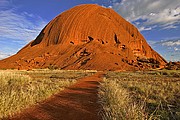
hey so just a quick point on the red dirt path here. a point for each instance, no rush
(77, 102)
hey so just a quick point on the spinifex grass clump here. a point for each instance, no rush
(140, 95)
(20, 89)
(118, 104)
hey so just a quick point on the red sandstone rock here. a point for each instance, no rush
(85, 37)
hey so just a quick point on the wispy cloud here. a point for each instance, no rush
(163, 13)
(170, 43)
(16, 28)
(3, 55)
(10, 46)
(142, 28)
(176, 49)
(171, 48)
(170, 27)
(20, 25)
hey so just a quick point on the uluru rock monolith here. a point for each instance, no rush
(87, 37)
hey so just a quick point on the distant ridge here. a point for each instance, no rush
(87, 37)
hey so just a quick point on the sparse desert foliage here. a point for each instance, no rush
(141, 96)
(21, 89)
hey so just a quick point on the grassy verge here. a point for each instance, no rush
(21, 89)
(139, 95)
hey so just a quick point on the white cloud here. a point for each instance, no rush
(142, 28)
(170, 27)
(176, 49)
(16, 28)
(171, 43)
(20, 26)
(166, 17)
(165, 13)
(3, 55)
(170, 49)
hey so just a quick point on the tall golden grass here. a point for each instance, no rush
(141, 96)
(21, 89)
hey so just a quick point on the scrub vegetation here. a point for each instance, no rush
(140, 95)
(22, 89)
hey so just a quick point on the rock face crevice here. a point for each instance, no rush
(109, 41)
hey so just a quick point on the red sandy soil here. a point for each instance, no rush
(86, 37)
(77, 102)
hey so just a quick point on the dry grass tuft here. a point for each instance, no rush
(21, 89)
(118, 104)
(141, 96)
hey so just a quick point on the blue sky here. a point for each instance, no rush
(158, 21)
